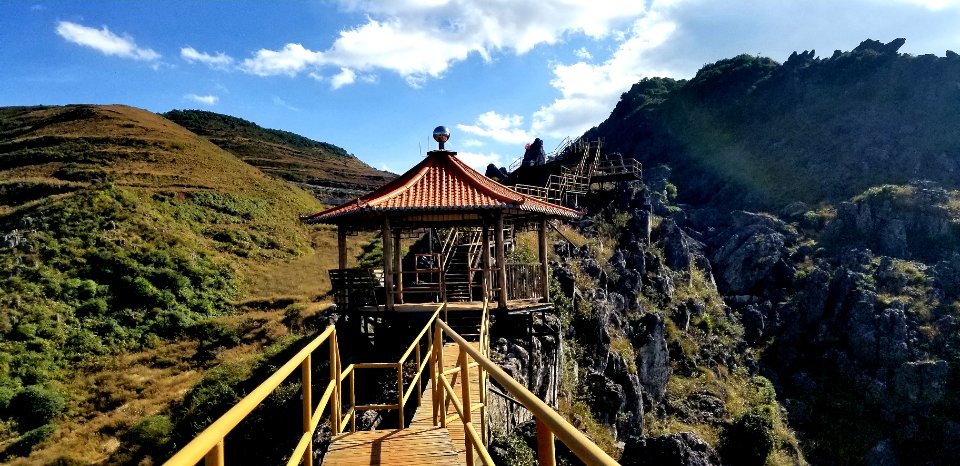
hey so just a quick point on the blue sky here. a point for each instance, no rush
(375, 77)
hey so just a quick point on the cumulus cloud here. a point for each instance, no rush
(588, 91)
(582, 53)
(290, 60)
(202, 99)
(501, 128)
(344, 77)
(421, 39)
(220, 60)
(104, 41)
(479, 161)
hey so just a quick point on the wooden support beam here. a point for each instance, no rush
(387, 238)
(485, 262)
(501, 262)
(542, 242)
(341, 246)
(398, 265)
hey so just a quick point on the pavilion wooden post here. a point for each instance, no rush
(485, 260)
(342, 246)
(501, 262)
(544, 271)
(398, 265)
(387, 237)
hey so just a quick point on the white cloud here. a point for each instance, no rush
(501, 128)
(472, 143)
(479, 161)
(202, 99)
(589, 91)
(583, 54)
(421, 39)
(220, 60)
(344, 77)
(284, 104)
(104, 41)
(290, 60)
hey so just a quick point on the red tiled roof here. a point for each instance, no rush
(441, 182)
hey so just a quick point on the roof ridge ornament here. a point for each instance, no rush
(441, 134)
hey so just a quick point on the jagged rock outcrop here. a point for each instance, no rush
(649, 340)
(754, 255)
(680, 449)
(534, 362)
(901, 221)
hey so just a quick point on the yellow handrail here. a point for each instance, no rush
(549, 422)
(208, 445)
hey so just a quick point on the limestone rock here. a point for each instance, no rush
(680, 449)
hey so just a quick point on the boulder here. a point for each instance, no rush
(921, 382)
(679, 449)
(649, 339)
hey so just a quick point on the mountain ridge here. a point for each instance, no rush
(329, 171)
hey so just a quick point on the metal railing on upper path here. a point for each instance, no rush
(208, 446)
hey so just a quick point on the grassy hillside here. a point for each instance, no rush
(327, 170)
(753, 132)
(124, 235)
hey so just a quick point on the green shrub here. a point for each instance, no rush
(513, 451)
(6, 395)
(749, 439)
(152, 433)
(35, 406)
(27, 441)
(671, 190)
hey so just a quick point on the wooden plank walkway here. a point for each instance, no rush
(424, 415)
(411, 446)
(421, 442)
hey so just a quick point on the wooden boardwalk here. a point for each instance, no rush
(411, 446)
(424, 415)
(421, 442)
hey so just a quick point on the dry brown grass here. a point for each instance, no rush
(109, 396)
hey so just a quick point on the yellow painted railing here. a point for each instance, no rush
(550, 424)
(209, 444)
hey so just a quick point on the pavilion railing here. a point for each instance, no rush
(524, 281)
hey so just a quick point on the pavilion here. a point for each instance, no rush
(443, 193)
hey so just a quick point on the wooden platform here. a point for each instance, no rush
(411, 446)
(421, 442)
(469, 306)
(424, 415)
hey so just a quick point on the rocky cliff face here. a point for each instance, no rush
(695, 336)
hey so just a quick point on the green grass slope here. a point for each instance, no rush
(329, 171)
(121, 232)
(755, 133)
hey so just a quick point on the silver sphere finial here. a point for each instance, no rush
(441, 134)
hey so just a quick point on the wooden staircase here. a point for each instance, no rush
(462, 253)
(575, 179)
